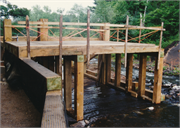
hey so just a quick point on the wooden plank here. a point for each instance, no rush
(7, 31)
(49, 48)
(108, 68)
(142, 74)
(129, 71)
(67, 83)
(74, 23)
(53, 113)
(141, 27)
(118, 70)
(157, 81)
(79, 86)
(126, 40)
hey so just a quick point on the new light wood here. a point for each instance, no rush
(160, 41)
(67, 83)
(157, 81)
(126, 40)
(142, 74)
(73, 23)
(118, 70)
(53, 113)
(7, 30)
(28, 36)
(129, 71)
(79, 88)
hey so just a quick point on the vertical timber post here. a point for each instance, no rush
(67, 83)
(88, 43)
(79, 87)
(160, 41)
(142, 74)
(7, 31)
(129, 70)
(106, 65)
(158, 79)
(28, 37)
(140, 31)
(126, 40)
(118, 70)
(60, 45)
(43, 37)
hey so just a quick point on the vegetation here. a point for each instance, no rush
(112, 11)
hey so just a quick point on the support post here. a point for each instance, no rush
(43, 31)
(28, 37)
(129, 70)
(108, 68)
(158, 80)
(126, 40)
(67, 83)
(140, 31)
(88, 43)
(118, 35)
(142, 74)
(60, 45)
(160, 41)
(57, 64)
(79, 86)
(106, 37)
(118, 70)
(7, 31)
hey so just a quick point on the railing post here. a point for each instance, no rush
(7, 31)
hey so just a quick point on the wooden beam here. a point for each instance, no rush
(74, 23)
(126, 40)
(79, 86)
(142, 74)
(118, 70)
(53, 113)
(141, 27)
(88, 43)
(7, 31)
(157, 81)
(129, 71)
(67, 83)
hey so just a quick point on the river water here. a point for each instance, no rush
(107, 107)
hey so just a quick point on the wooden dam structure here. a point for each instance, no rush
(39, 63)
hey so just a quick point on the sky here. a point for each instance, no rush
(53, 4)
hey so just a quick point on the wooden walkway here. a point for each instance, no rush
(51, 48)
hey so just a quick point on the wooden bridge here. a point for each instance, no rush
(43, 79)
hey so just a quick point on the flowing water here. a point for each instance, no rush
(107, 107)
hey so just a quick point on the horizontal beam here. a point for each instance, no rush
(72, 23)
(141, 27)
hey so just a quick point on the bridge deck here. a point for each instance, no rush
(51, 48)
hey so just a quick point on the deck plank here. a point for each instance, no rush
(51, 48)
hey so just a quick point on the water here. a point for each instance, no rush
(107, 107)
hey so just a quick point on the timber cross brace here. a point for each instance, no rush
(48, 51)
